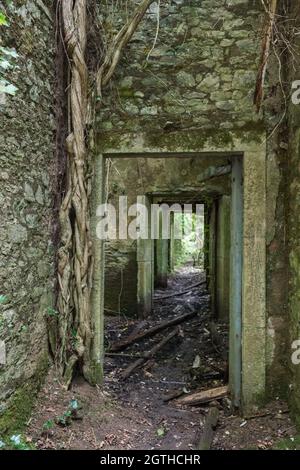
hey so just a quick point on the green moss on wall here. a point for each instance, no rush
(17, 413)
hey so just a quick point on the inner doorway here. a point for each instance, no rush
(185, 287)
(146, 253)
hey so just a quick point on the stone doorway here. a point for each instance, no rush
(249, 234)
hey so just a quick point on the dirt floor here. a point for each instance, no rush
(137, 413)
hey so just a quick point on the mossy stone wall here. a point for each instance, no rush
(27, 134)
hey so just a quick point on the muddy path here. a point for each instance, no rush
(135, 413)
(187, 362)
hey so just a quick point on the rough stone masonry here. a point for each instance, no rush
(193, 90)
(27, 133)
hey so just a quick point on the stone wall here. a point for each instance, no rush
(27, 127)
(201, 72)
(293, 226)
(195, 89)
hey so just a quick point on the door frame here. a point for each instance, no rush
(252, 152)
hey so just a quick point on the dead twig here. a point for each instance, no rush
(168, 296)
(267, 38)
(131, 356)
(120, 41)
(148, 355)
(173, 394)
(134, 338)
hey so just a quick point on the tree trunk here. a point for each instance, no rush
(80, 325)
(74, 255)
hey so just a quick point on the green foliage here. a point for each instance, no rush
(161, 432)
(3, 299)
(65, 419)
(190, 245)
(15, 442)
(51, 312)
(22, 330)
(3, 20)
(7, 88)
(9, 53)
(18, 409)
(71, 413)
(7, 61)
(74, 405)
(48, 425)
(288, 443)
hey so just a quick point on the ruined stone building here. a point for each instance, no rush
(175, 110)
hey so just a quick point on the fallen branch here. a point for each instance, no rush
(212, 376)
(209, 429)
(173, 394)
(181, 292)
(122, 344)
(148, 355)
(120, 41)
(267, 39)
(204, 396)
(131, 356)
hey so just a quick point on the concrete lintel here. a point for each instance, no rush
(182, 143)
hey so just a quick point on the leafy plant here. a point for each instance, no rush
(76, 410)
(17, 442)
(51, 312)
(48, 425)
(72, 413)
(288, 443)
(3, 20)
(7, 57)
(65, 419)
(23, 329)
(47, 429)
(74, 405)
(189, 249)
(161, 432)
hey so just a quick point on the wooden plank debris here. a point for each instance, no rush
(173, 394)
(149, 354)
(168, 296)
(134, 338)
(204, 396)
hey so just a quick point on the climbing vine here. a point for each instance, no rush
(75, 259)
